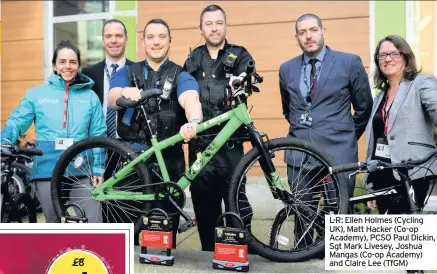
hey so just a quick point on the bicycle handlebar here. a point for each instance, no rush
(13, 150)
(373, 165)
(251, 78)
(250, 68)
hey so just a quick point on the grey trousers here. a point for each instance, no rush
(80, 194)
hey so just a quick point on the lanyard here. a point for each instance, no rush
(108, 77)
(64, 121)
(386, 114)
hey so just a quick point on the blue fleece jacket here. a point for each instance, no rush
(44, 105)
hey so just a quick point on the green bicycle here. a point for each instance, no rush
(269, 209)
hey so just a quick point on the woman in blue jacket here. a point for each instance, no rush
(65, 110)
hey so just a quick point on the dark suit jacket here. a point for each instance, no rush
(334, 129)
(95, 72)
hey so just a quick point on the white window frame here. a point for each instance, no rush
(50, 20)
(372, 45)
(409, 26)
(435, 42)
(410, 32)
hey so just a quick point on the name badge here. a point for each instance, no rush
(63, 143)
(382, 149)
(305, 119)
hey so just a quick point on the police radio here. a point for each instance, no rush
(168, 86)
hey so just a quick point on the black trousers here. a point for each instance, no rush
(397, 204)
(304, 184)
(210, 188)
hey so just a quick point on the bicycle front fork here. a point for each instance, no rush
(266, 163)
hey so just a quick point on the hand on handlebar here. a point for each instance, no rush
(132, 93)
(236, 82)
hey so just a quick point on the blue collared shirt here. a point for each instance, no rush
(306, 71)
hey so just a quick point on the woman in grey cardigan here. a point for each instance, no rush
(402, 122)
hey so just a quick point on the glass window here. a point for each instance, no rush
(86, 36)
(62, 8)
(423, 35)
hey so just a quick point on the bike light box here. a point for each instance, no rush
(66, 248)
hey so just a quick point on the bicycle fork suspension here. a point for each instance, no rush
(266, 163)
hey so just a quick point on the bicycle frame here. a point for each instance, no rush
(405, 183)
(233, 119)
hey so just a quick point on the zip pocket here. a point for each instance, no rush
(421, 144)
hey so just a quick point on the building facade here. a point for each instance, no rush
(265, 28)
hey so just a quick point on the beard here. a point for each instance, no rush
(209, 42)
(313, 51)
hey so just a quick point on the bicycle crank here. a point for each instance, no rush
(165, 191)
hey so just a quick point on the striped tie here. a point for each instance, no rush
(111, 114)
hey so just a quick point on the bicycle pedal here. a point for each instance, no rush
(186, 226)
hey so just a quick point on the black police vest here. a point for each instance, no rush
(213, 78)
(165, 113)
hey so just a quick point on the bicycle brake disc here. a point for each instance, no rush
(164, 191)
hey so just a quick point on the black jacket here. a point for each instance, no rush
(95, 72)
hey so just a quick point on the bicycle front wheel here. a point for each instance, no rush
(287, 229)
(73, 175)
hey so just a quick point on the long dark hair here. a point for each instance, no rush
(410, 71)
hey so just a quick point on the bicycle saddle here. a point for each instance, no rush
(145, 94)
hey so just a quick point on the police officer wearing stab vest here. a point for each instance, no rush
(177, 109)
(213, 64)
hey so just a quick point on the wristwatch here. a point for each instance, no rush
(195, 120)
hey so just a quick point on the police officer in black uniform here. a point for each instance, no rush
(213, 64)
(178, 108)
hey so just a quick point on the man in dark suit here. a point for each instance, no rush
(317, 91)
(114, 39)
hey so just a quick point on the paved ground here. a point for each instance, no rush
(188, 259)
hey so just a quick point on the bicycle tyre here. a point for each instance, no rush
(29, 187)
(97, 142)
(240, 173)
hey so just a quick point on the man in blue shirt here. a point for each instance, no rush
(178, 108)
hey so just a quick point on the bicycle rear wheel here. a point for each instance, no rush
(287, 230)
(74, 172)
